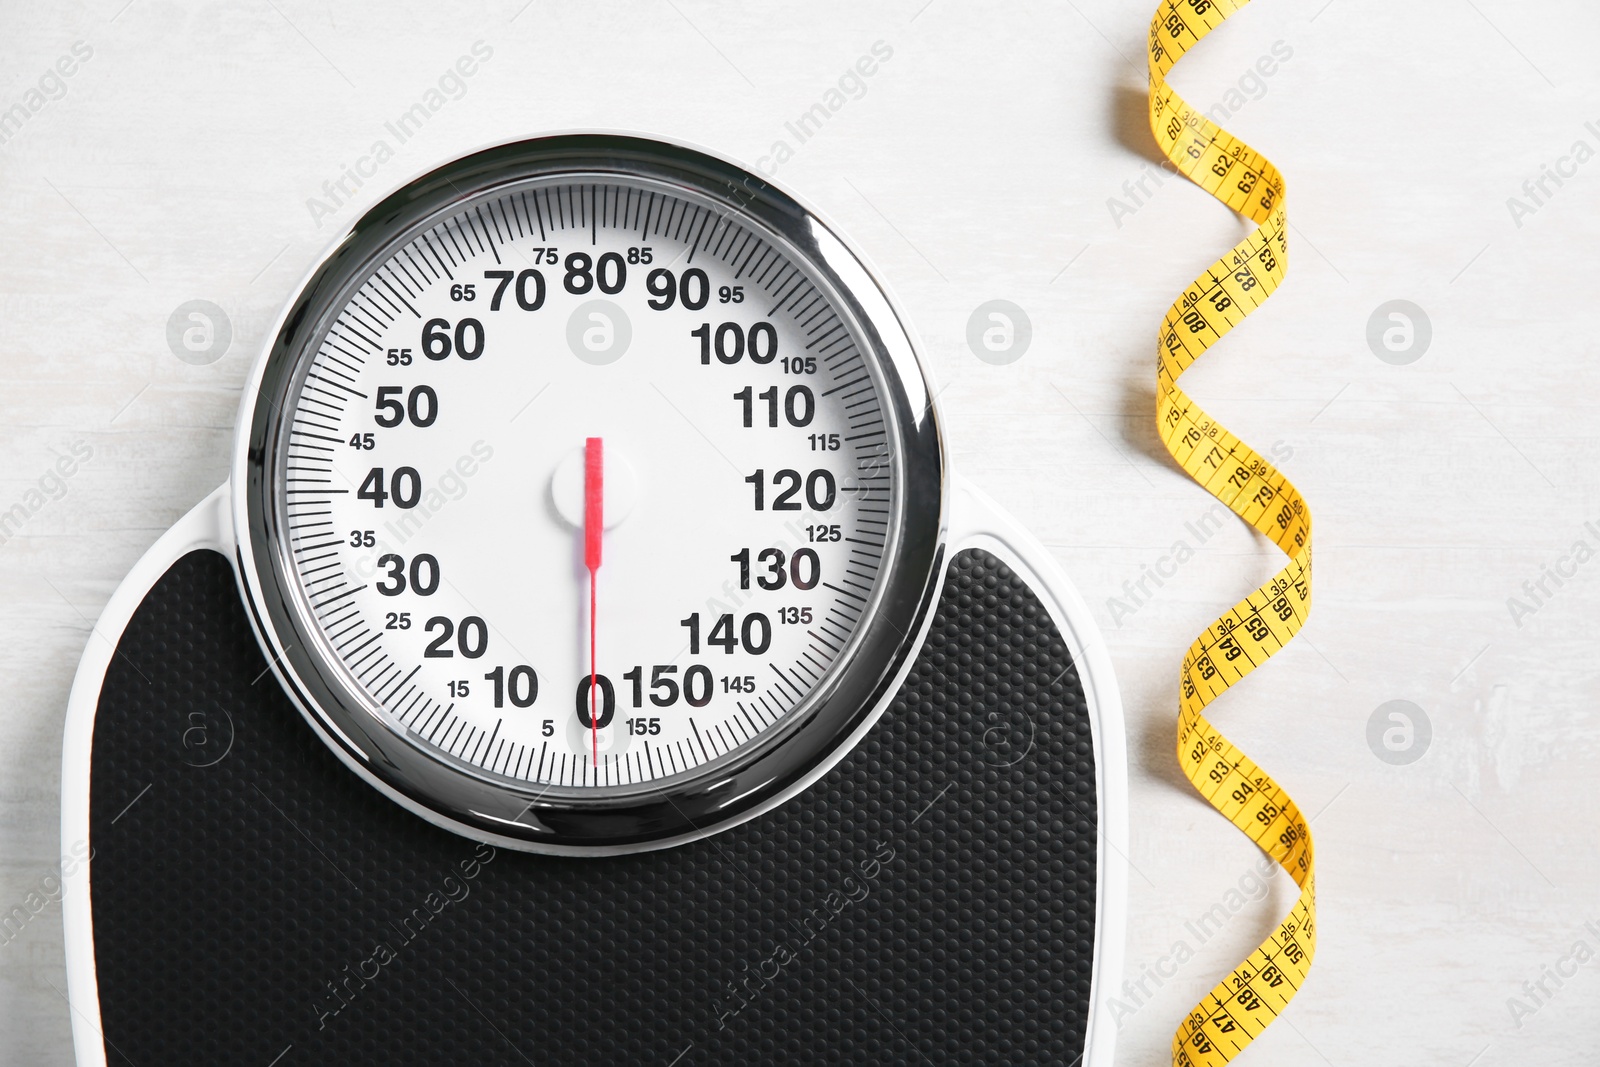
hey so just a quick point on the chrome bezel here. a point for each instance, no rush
(816, 734)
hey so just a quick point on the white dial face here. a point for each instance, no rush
(584, 371)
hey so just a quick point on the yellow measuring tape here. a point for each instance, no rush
(1243, 1004)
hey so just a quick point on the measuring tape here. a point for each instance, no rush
(1245, 1003)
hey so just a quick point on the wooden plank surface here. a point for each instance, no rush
(999, 152)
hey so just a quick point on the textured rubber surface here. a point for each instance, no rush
(931, 900)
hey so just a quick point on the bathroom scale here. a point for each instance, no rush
(593, 657)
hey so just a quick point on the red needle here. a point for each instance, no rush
(594, 480)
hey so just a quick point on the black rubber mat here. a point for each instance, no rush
(930, 901)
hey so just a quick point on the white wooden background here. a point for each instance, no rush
(978, 164)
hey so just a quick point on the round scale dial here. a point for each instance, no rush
(581, 477)
(437, 464)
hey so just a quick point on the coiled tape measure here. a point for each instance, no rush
(1249, 999)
